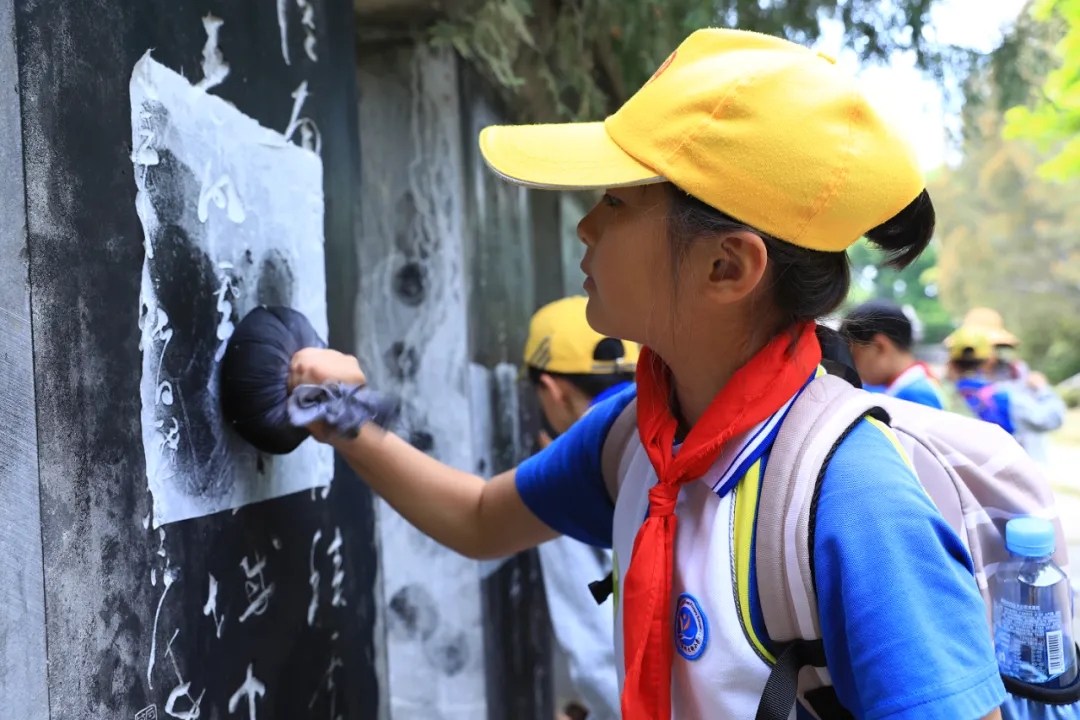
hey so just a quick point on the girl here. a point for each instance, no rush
(736, 178)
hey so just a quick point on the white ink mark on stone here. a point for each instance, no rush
(222, 193)
(310, 139)
(210, 608)
(251, 689)
(168, 577)
(225, 327)
(276, 543)
(146, 522)
(334, 551)
(182, 690)
(146, 154)
(328, 680)
(313, 580)
(307, 20)
(147, 713)
(214, 67)
(153, 577)
(258, 592)
(161, 331)
(335, 636)
(169, 438)
(161, 536)
(283, 26)
(165, 393)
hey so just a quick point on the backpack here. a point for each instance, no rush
(986, 404)
(978, 477)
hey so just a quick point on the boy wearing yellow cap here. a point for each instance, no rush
(573, 368)
(734, 181)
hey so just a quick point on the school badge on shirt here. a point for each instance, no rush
(691, 627)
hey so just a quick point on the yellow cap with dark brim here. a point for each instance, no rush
(586, 157)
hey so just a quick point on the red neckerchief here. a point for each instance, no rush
(755, 391)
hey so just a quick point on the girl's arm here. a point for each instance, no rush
(477, 518)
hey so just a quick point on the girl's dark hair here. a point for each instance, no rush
(807, 284)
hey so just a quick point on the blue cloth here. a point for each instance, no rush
(1017, 708)
(916, 648)
(611, 392)
(989, 401)
(921, 391)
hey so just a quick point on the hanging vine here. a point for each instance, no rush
(580, 59)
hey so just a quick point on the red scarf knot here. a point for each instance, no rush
(662, 499)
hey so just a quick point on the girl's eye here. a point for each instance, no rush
(611, 200)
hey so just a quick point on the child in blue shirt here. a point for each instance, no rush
(880, 335)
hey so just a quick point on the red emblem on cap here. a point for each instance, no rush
(664, 66)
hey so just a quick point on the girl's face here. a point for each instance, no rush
(704, 300)
(628, 264)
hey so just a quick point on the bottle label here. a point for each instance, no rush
(1035, 642)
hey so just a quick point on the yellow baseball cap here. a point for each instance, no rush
(561, 341)
(767, 131)
(970, 337)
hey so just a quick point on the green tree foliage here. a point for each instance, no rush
(1010, 240)
(1053, 120)
(915, 285)
(581, 59)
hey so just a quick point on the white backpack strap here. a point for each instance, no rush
(818, 420)
(616, 446)
(614, 457)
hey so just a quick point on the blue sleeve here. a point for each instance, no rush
(922, 393)
(1002, 400)
(905, 628)
(563, 485)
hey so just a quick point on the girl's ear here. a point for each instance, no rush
(738, 265)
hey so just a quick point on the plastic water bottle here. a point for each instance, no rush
(1033, 609)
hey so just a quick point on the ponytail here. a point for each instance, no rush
(906, 235)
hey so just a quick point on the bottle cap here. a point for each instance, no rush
(1030, 536)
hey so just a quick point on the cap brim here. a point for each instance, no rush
(570, 156)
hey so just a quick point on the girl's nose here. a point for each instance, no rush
(587, 230)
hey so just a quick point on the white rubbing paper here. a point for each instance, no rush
(239, 193)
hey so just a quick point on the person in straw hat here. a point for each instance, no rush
(1002, 389)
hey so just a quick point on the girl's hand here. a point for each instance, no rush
(312, 366)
